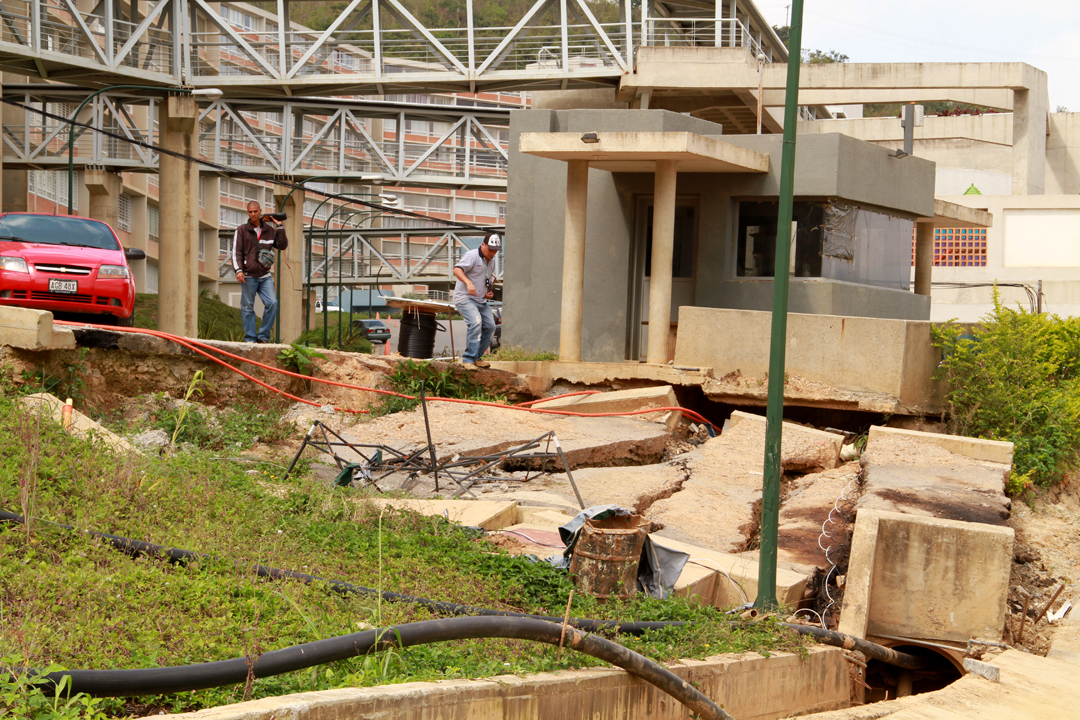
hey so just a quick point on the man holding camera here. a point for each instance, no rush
(476, 270)
(253, 256)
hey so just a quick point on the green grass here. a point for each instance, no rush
(517, 353)
(72, 601)
(217, 321)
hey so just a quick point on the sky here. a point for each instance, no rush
(1043, 33)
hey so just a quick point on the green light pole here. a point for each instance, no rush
(211, 93)
(770, 492)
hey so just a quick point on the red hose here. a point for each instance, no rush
(196, 346)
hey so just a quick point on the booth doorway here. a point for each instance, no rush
(683, 265)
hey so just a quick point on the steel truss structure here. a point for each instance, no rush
(387, 143)
(370, 47)
(368, 256)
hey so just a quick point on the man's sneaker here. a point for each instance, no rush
(482, 364)
(470, 366)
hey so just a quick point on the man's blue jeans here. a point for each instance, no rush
(480, 326)
(264, 288)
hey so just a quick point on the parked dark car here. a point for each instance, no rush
(496, 339)
(66, 264)
(374, 330)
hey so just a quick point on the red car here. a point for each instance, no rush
(67, 265)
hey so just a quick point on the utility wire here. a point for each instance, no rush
(233, 172)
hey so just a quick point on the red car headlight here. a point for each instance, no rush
(14, 264)
(113, 271)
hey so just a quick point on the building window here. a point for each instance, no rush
(202, 192)
(151, 277)
(52, 185)
(153, 223)
(123, 212)
(957, 247)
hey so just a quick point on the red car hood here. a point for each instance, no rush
(42, 253)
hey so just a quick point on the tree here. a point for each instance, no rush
(813, 57)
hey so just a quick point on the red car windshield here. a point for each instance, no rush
(57, 230)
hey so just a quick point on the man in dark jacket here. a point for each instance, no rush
(253, 256)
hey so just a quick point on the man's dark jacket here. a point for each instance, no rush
(246, 246)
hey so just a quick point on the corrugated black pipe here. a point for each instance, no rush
(166, 680)
(829, 637)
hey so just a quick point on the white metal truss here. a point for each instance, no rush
(363, 256)
(389, 143)
(370, 47)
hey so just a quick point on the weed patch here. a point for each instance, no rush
(409, 376)
(1015, 377)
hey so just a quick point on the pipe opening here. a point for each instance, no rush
(888, 682)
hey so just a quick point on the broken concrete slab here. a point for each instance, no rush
(997, 451)
(620, 401)
(926, 578)
(804, 449)
(725, 580)
(81, 425)
(903, 473)
(707, 496)
(814, 504)
(486, 514)
(471, 430)
(29, 329)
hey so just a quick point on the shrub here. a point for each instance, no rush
(1015, 377)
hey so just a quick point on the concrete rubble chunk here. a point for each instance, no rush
(906, 474)
(986, 670)
(997, 451)
(926, 578)
(81, 425)
(620, 401)
(463, 429)
(803, 449)
(151, 440)
(29, 329)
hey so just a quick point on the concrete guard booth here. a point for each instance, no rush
(617, 217)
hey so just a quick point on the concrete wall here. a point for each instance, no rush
(926, 578)
(893, 358)
(826, 166)
(1063, 154)
(1033, 238)
(750, 687)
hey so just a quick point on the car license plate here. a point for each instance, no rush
(64, 286)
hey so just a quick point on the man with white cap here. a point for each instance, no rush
(475, 274)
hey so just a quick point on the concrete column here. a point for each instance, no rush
(663, 242)
(1030, 108)
(104, 188)
(178, 264)
(924, 257)
(290, 288)
(14, 184)
(573, 271)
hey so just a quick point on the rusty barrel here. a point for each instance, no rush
(606, 556)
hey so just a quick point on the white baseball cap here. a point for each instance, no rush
(493, 241)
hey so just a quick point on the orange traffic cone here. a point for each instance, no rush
(377, 315)
(386, 348)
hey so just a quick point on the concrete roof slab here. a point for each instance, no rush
(951, 215)
(639, 151)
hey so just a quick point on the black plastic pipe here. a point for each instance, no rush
(167, 680)
(176, 555)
